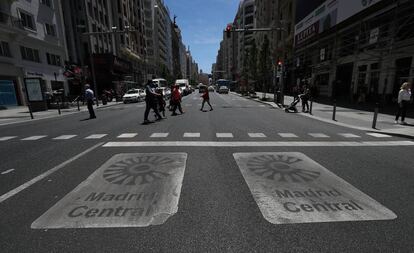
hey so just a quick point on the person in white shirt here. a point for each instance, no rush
(89, 96)
(404, 97)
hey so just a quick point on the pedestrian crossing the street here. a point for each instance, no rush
(197, 135)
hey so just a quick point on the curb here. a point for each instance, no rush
(57, 116)
(335, 122)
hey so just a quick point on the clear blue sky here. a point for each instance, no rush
(202, 23)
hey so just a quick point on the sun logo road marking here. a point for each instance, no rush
(137, 170)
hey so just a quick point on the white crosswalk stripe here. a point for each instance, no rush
(224, 135)
(348, 135)
(191, 135)
(159, 135)
(34, 138)
(96, 136)
(127, 135)
(288, 135)
(64, 137)
(378, 135)
(257, 135)
(318, 135)
(6, 138)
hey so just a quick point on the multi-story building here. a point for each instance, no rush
(245, 19)
(127, 16)
(358, 52)
(32, 45)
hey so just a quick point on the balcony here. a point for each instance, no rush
(10, 24)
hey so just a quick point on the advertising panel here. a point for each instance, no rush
(33, 89)
(327, 15)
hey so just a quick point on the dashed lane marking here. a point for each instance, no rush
(191, 135)
(288, 135)
(224, 135)
(45, 174)
(257, 135)
(348, 135)
(64, 137)
(34, 138)
(260, 144)
(159, 135)
(318, 135)
(378, 135)
(96, 136)
(127, 135)
(7, 171)
(6, 138)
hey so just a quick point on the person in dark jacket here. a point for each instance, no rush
(151, 102)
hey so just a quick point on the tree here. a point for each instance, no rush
(253, 62)
(245, 72)
(265, 66)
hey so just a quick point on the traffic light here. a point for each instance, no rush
(279, 66)
(228, 31)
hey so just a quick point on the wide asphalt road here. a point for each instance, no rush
(244, 177)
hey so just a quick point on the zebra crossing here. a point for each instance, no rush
(194, 135)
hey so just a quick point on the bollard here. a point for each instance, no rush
(374, 121)
(30, 110)
(334, 111)
(310, 108)
(58, 104)
(77, 102)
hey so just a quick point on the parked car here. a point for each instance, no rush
(223, 89)
(133, 95)
(211, 88)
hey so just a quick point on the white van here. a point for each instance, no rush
(184, 85)
(160, 82)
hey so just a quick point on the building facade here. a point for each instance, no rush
(32, 45)
(359, 54)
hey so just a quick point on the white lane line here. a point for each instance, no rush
(257, 135)
(318, 135)
(34, 138)
(259, 144)
(287, 135)
(378, 135)
(224, 135)
(96, 136)
(347, 135)
(6, 138)
(191, 135)
(127, 135)
(65, 137)
(7, 171)
(159, 135)
(46, 174)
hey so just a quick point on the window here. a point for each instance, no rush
(29, 54)
(53, 59)
(46, 2)
(4, 49)
(27, 20)
(50, 29)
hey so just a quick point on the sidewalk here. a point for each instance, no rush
(357, 119)
(18, 114)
